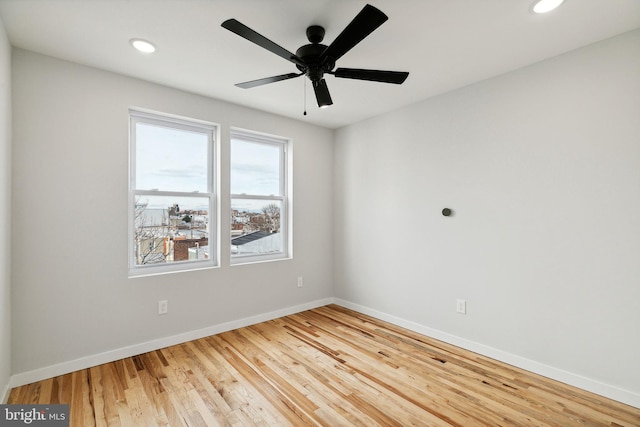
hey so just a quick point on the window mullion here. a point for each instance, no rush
(172, 193)
(256, 197)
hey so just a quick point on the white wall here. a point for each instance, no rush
(5, 213)
(542, 169)
(71, 295)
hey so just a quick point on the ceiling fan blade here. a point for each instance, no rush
(360, 27)
(254, 37)
(397, 77)
(322, 93)
(267, 80)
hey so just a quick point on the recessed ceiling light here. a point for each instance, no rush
(544, 6)
(143, 45)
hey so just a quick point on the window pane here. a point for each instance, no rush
(255, 168)
(170, 159)
(169, 229)
(255, 227)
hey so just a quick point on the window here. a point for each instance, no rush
(259, 203)
(172, 204)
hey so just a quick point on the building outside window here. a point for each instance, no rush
(260, 203)
(172, 204)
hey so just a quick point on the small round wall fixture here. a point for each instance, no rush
(447, 212)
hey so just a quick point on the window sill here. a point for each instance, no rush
(159, 271)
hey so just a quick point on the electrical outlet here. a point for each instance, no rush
(300, 281)
(163, 306)
(461, 306)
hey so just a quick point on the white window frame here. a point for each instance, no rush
(182, 123)
(286, 222)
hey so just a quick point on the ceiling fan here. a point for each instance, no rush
(315, 59)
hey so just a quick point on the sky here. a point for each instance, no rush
(255, 168)
(170, 159)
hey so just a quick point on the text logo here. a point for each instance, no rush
(34, 415)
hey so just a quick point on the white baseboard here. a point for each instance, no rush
(121, 353)
(606, 390)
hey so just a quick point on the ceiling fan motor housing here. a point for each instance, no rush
(311, 55)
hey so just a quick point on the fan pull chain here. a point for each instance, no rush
(305, 97)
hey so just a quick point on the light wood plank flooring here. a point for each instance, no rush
(328, 366)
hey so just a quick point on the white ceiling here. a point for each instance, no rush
(444, 44)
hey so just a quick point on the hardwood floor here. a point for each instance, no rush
(328, 366)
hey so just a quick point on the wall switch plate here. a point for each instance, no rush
(300, 281)
(163, 306)
(461, 306)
